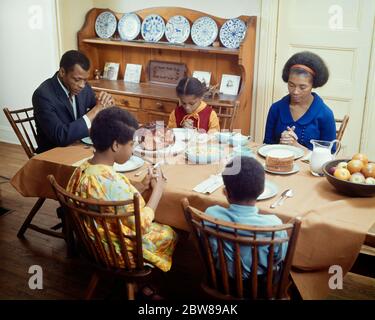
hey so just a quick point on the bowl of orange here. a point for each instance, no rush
(354, 177)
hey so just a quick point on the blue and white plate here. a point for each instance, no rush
(232, 33)
(105, 25)
(129, 26)
(177, 29)
(204, 31)
(153, 28)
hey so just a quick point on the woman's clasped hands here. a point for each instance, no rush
(289, 136)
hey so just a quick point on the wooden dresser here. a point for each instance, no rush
(149, 101)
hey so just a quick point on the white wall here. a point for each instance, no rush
(71, 16)
(225, 9)
(28, 55)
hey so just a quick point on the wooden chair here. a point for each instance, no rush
(341, 124)
(219, 284)
(90, 220)
(23, 123)
(226, 114)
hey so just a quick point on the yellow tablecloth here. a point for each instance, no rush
(333, 226)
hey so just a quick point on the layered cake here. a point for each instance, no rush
(280, 160)
(153, 136)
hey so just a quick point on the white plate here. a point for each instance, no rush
(270, 190)
(204, 31)
(105, 25)
(294, 170)
(129, 26)
(298, 152)
(153, 28)
(176, 148)
(177, 29)
(133, 163)
(87, 140)
(232, 33)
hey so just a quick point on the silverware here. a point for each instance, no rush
(145, 170)
(288, 194)
(281, 199)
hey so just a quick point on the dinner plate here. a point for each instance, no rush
(270, 190)
(176, 148)
(133, 163)
(87, 140)
(232, 33)
(129, 26)
(153, 28)
(298, 152)
(105, 25)
(177, 29)
(294, 170)
(204, 31)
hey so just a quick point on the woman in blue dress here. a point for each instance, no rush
(302, 115)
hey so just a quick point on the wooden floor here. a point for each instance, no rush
(65, 278)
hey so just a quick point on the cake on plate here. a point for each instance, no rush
(280, 160)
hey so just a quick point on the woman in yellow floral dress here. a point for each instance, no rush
(112, 135)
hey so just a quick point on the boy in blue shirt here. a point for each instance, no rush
(242, 188)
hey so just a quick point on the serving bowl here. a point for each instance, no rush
(346, 187)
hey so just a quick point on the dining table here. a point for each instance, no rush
(334, 226)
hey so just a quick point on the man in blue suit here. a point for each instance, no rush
(65, 105)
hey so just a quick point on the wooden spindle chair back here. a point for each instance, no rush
(91, 221)
(226, 115)
(341, 125)
(23, 123)
(219, 284)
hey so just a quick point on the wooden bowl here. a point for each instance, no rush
(346, 187)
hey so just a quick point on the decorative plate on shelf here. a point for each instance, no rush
(129, 26)
(204, 31)
(105, 25)
(177, 29)
(232, 33)
(153, 28)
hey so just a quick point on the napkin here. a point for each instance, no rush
(209, 185)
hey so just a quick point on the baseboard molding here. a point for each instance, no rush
(7, 135)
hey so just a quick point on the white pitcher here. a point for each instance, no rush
(322, 153)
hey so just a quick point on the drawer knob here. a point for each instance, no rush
(160, 105)
(124, 101)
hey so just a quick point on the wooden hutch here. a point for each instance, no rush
(149, 101)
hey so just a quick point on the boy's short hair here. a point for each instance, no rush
(112, 124)
(248, 183)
